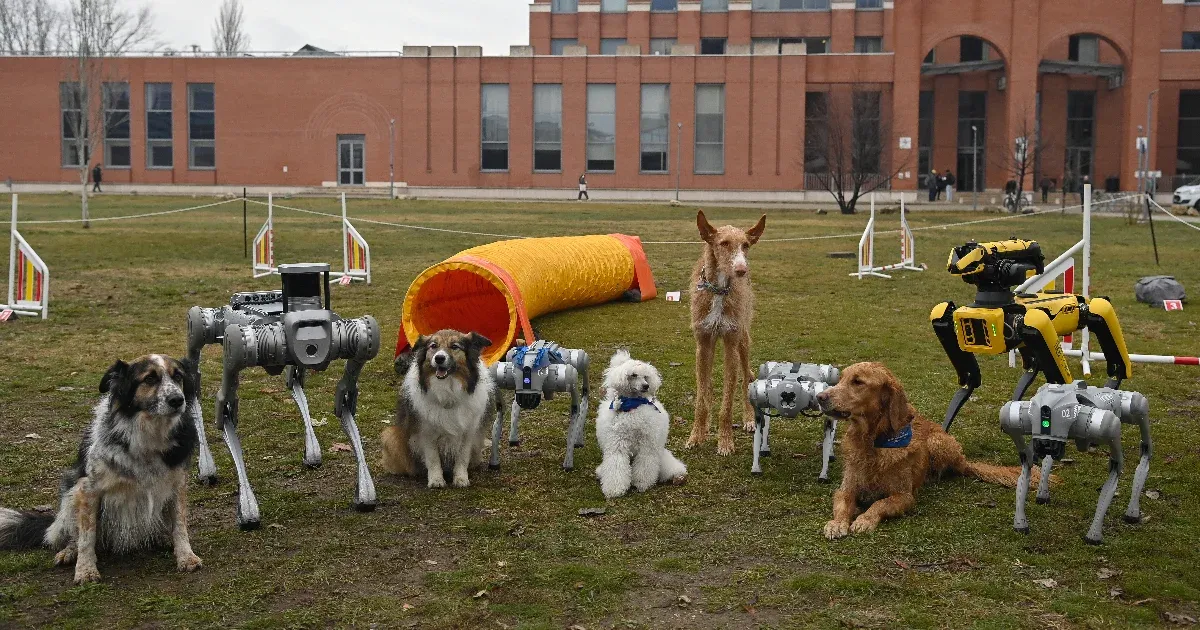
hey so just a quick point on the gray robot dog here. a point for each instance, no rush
(1058, 413)
(535, 373)
(277, 330)
(790, 390)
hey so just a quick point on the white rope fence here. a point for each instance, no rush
(130, 216)
(1176, 217)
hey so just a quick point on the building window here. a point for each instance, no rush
(931, 58)
(971, 49)
(1083, 48)
(867, 148)
(661, 45)
(1191, 40)
(656, 127)
(202, 126)
(924, 137)
(814, 45)
(494, 127)
(547, 127)
(816, 123)
(710, 129)
(74, 126)
(1081, 135)
(601, 127)
(868, 4)
(352, 159)
(790, 5)
(712, 46)
(613, 6)
(609, 46)
(664, 5)
(1187, 158)
(160, 152)
(714, 6)
(972, 144)
(564, 6)
(868, 44)
(557, 45)
(116, 125)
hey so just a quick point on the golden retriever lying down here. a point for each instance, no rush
(889, 450)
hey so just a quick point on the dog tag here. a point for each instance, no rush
(1173, 305)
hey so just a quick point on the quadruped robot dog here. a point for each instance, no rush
(292, 330)
(787, 390)
(535, 373)
(1000, 320)
(1059, 413)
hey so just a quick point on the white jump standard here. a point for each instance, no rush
(356, 253)
(866, 248)
(28, 276)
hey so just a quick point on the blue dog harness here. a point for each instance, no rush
(544, 357)
(900, 440)
(629, 404)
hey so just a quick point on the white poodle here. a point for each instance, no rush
(631, 427)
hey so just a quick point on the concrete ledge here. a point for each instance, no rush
(629, 50)
(470, 51)
(795, 49)
(765, 48)
(520, 51)
(415, 51)
(683, 50)
(441, 51)
(575, 51)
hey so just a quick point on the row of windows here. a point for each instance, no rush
(601, 151)
(117, 122)
(717, 45)
(1188, 152)
(717, 6)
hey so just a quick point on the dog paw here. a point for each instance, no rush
(863, 525)
(65, 557)
(679, 480)
(461, 481)
(189, 563)
(725, 447)
(836, 529)
(748, 426)
(86, 575)
(694, 441)
(436, 482)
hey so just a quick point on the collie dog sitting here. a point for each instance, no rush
(631, 428)
(442, 409)
(128, 489)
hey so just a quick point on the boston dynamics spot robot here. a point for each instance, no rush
(787, 390)
(1000, 320)
(1088, 415)
(535, 373)
(288, 330)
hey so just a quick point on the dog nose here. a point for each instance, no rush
(823, 396)
(175, 400)
(439, 359)
(646, 387)
(741, 269)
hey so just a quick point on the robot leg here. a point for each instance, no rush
(312, 448)
(1042, 342)
(1014, 422)
(827, 448)
(227, 411)
(1043, 494)
(497, 429)
(1101, 319)
(764, 449)
(1140, 413)
(964, 362)
(201, 331)
(1030, 367)
(760, 421)
(1103, 426)
(345, 403)
(583, 405)
(514, 439)
(573, 424)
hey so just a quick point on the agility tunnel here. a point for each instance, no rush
(497, 289)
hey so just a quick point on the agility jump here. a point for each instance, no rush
(866, 248)
(356, 253)
(28, 276)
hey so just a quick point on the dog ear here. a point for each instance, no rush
(475, 345)
(756, 232)
(478, 341)
(895, 406)
(707, 231)
(117, 382)
(420, 349)
(619, 357)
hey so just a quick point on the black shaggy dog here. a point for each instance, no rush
(128, 489)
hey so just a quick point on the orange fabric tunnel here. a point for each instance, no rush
(497, 289)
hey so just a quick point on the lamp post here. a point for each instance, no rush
(392, 159)
(678, 159)
(974, 167)
(1149, 112)
(1142, 155)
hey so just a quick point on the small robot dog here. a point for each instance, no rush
(1000, 320)
(1060, 412)
(277, 330)
(790, 389)
(535, 373)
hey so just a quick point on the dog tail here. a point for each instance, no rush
(396, 458)
(1006, 476)
(23, 530)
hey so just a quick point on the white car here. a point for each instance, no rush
(1188, 196)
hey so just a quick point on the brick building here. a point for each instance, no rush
(711, 95)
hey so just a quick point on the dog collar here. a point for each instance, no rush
(629, 404)
(705, 285)
(902, 439)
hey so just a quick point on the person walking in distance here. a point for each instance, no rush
(583, 187)
(950, 182)
(932, 184)
(1046, 184)
(96, 177)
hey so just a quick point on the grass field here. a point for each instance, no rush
(726, 550)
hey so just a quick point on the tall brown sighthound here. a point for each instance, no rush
(722, 309)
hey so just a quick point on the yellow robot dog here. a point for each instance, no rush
(1001, 320)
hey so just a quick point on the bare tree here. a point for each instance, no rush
(1020, 161)
(229, 34)
(845, 146)
(28, 27)
(94, 102)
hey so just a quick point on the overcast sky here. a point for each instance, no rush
(285, 25)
